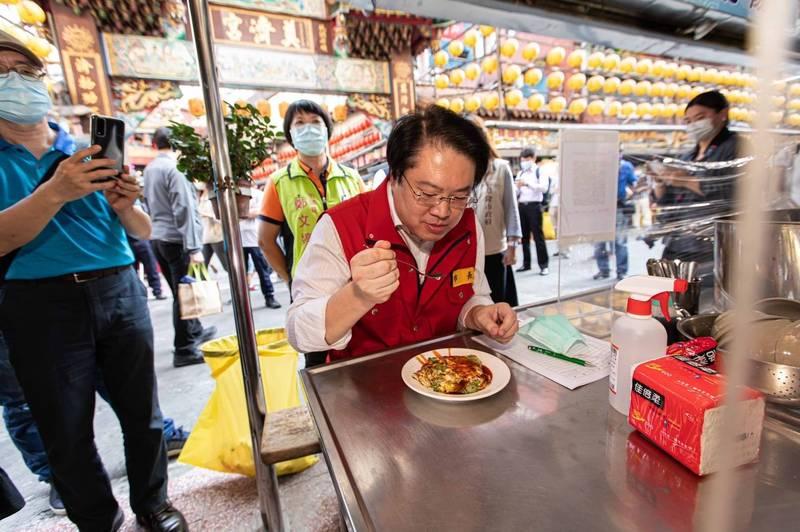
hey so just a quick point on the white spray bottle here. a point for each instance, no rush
(636, 337)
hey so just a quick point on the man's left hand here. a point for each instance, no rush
(499, 321)
(124, 193)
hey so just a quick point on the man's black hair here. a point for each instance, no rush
(528, 151)
(309, 107)
(161, 138)
(436, 125)
(712, 99)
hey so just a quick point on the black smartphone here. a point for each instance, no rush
(109, 133)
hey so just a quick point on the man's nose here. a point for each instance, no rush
(441, 210)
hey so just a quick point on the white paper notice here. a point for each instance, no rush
(589, 164)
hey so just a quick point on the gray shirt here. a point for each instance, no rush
(497, 207)
(172, 204)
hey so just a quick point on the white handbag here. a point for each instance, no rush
(200, 298)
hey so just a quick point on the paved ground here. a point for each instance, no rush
(214, 501)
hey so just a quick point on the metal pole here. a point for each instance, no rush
(266, 480)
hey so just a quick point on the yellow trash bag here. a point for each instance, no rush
(547, 227)
(220, 440)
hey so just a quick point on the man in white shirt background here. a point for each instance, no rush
(531, 188)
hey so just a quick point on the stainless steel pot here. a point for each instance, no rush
(778, 270)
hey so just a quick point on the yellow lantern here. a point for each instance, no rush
(489, 64)
(457, 105)
(596, 107)
(441, 81)
(440, 58)
(778, 101)
(471, 38)
(658, 109)
(443, 102)
(472, 104)
(748, 97)
(794, 105)
(509, 47)
(643, 66)
(626, 87)
(670, 69)
(511, 73)
(643, 88)
(557, 104)
(611, 62)
(576, 57)
(627, 65)
(196, 107)
(535, 102)
(457, 77)
(556, 56)
(725, 77)
(611, 85)
(669, 110)
(472, 71)
(751, 81)
(555, 80)
(40, 47)
(241, 108)
(595, 83)
(735, 97)
(709, 76)
(531, 51)
(681, 111)
(737, 79)
(695, 74)
(683, 92)
(595, 60)
(658, 89)
(576, 107)
(576, 82)
(456, 48)
(264, 109)
(658, 68)
(683, 72)
(9, 2)
(513, 97)
(627, 109)
(487, 30)
(793, 120)
(670, 89)
(491, 101)
(533, 76)
(794, 89)
(30, 12)
(613, 108)
(644, 109)
(695, 91)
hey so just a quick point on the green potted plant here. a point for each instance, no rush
(251, 139)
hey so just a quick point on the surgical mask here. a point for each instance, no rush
(310, 139)
(700, 130)
(526, 165)
(23, 101)
(555, 333)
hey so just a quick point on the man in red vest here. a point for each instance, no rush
(403, 263)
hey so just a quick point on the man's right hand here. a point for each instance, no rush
(375, 274)
(73, 179)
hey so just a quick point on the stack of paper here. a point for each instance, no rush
(567, 374)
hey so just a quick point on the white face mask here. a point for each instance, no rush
(700, 130)
(526, 165)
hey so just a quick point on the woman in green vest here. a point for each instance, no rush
(297, 195)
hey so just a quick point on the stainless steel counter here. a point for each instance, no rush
(534, 457)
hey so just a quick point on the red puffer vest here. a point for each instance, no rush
(415, 312)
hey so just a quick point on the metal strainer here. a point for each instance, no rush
(779, 382)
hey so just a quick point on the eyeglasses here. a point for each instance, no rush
(29, 72)
(432, 200)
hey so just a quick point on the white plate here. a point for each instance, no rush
(501, 375)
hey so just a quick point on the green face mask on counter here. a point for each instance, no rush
(555, 333)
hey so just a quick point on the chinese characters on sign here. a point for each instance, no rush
(84, 70)
(278, 32)
(402, 84)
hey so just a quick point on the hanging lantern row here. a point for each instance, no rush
(29, 13)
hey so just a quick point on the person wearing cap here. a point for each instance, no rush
(403, 263)
(177, 240)
(297, 195)
(699, 194)
(532, 187)
(72, 306)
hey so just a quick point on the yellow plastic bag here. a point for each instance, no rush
(547, 227)
(220, 440)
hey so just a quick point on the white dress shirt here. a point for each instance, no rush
(533, 186)
(323, 270)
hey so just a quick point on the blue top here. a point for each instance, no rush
(626, 178)
(84, 235)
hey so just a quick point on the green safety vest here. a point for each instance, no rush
(302, 203)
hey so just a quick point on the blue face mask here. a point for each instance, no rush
(310, 139)
(23, 101)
